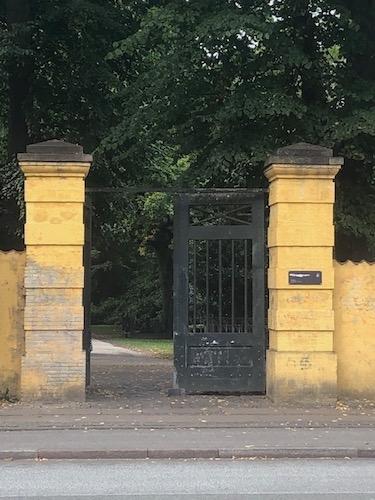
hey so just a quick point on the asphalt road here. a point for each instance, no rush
(189, 479)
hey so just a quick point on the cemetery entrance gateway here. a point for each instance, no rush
(219, 288)
(219, 291)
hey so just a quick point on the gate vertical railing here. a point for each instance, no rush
(259, 269)
(180, 280)
(87, 343)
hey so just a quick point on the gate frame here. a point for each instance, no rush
(201, 196)
(181, 237)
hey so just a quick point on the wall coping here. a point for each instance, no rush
(309, 171)
(54, 151)
(54, 169)
(13, 251)
(303, 153)
(354, 263)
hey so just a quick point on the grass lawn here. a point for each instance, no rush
(162, 348)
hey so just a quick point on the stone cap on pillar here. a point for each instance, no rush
(303, 153)
(54, 151)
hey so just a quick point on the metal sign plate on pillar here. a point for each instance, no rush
(305, 277)
(219, 292)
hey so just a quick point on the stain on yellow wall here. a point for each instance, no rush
(12, 266)
(354, 337)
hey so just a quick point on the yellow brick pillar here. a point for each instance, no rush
(53, 366)
(301, 363)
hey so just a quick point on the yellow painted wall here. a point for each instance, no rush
(12, 266)
(354, 337)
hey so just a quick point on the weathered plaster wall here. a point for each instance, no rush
(12, 266)
(354, 338)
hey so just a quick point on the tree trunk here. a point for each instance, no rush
(363, 59)
(19, 80)
(161, 245)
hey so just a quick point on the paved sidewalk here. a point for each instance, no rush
(128, 414)
(86, 417)
(188, 443)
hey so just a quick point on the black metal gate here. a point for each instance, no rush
(219, 291)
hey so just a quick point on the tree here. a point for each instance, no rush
(353, 132)
(185, 93)
(231, 81)
(142, 223)
(18, 14)
(55, 82)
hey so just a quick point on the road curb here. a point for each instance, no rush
(290, 453)
(178, 454)
(367, 453)
(91, 454)
(224, 453)
(18, 455)
(184, 426)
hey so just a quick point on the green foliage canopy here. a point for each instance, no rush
(186, 93)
